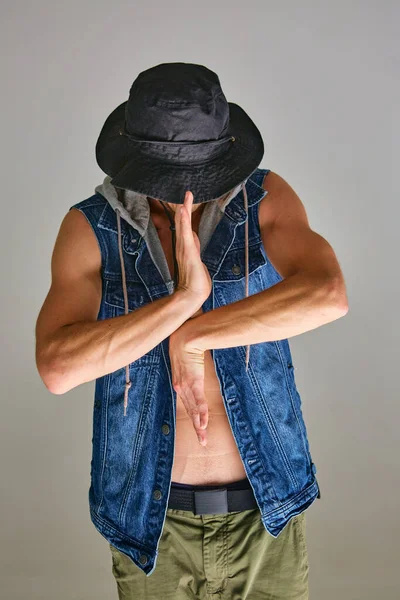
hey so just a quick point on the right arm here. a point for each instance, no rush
(72, 347)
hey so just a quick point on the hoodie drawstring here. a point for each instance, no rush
(246, 258)
(128, 382)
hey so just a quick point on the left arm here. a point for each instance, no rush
(312, 292)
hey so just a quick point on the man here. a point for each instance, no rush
(176, 286)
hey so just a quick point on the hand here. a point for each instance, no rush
(193, 273)
(187, 364)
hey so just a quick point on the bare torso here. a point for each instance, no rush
(219, 461)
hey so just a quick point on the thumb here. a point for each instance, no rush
(196, 241)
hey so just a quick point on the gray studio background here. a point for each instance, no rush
(321, 81)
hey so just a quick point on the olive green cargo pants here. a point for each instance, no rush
(222, 556)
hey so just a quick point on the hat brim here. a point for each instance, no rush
(131, 169)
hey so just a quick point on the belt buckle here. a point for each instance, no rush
(207, 502)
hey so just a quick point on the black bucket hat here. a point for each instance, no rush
(177, 132)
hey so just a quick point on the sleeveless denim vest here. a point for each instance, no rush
(132, 455)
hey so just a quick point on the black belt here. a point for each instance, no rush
(220, 500)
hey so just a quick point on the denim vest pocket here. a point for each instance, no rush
(229, 282)
(233, 265)
(136, 292)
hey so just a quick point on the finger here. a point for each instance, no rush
(202, 437)
(196, 420)
(186, 231)
(196, 406)
(204, 418)
(188, 203)
(187, 209)
(200, 414)
(196, 241)
(178, 215)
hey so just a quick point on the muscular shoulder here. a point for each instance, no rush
(76, 251)
(281, 205)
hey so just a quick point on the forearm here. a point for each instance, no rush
(84, 351)
(293, 306)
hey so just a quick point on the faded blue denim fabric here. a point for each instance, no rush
(133, 455)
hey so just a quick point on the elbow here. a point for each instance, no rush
(52, 373)
(336, 296)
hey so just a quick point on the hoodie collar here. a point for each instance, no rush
(135, 209)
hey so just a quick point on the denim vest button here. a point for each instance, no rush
(236, 269)
(143, 559)
(157, 495)
(165, 428)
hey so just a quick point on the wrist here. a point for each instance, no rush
(189, 334)
(193, 302)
